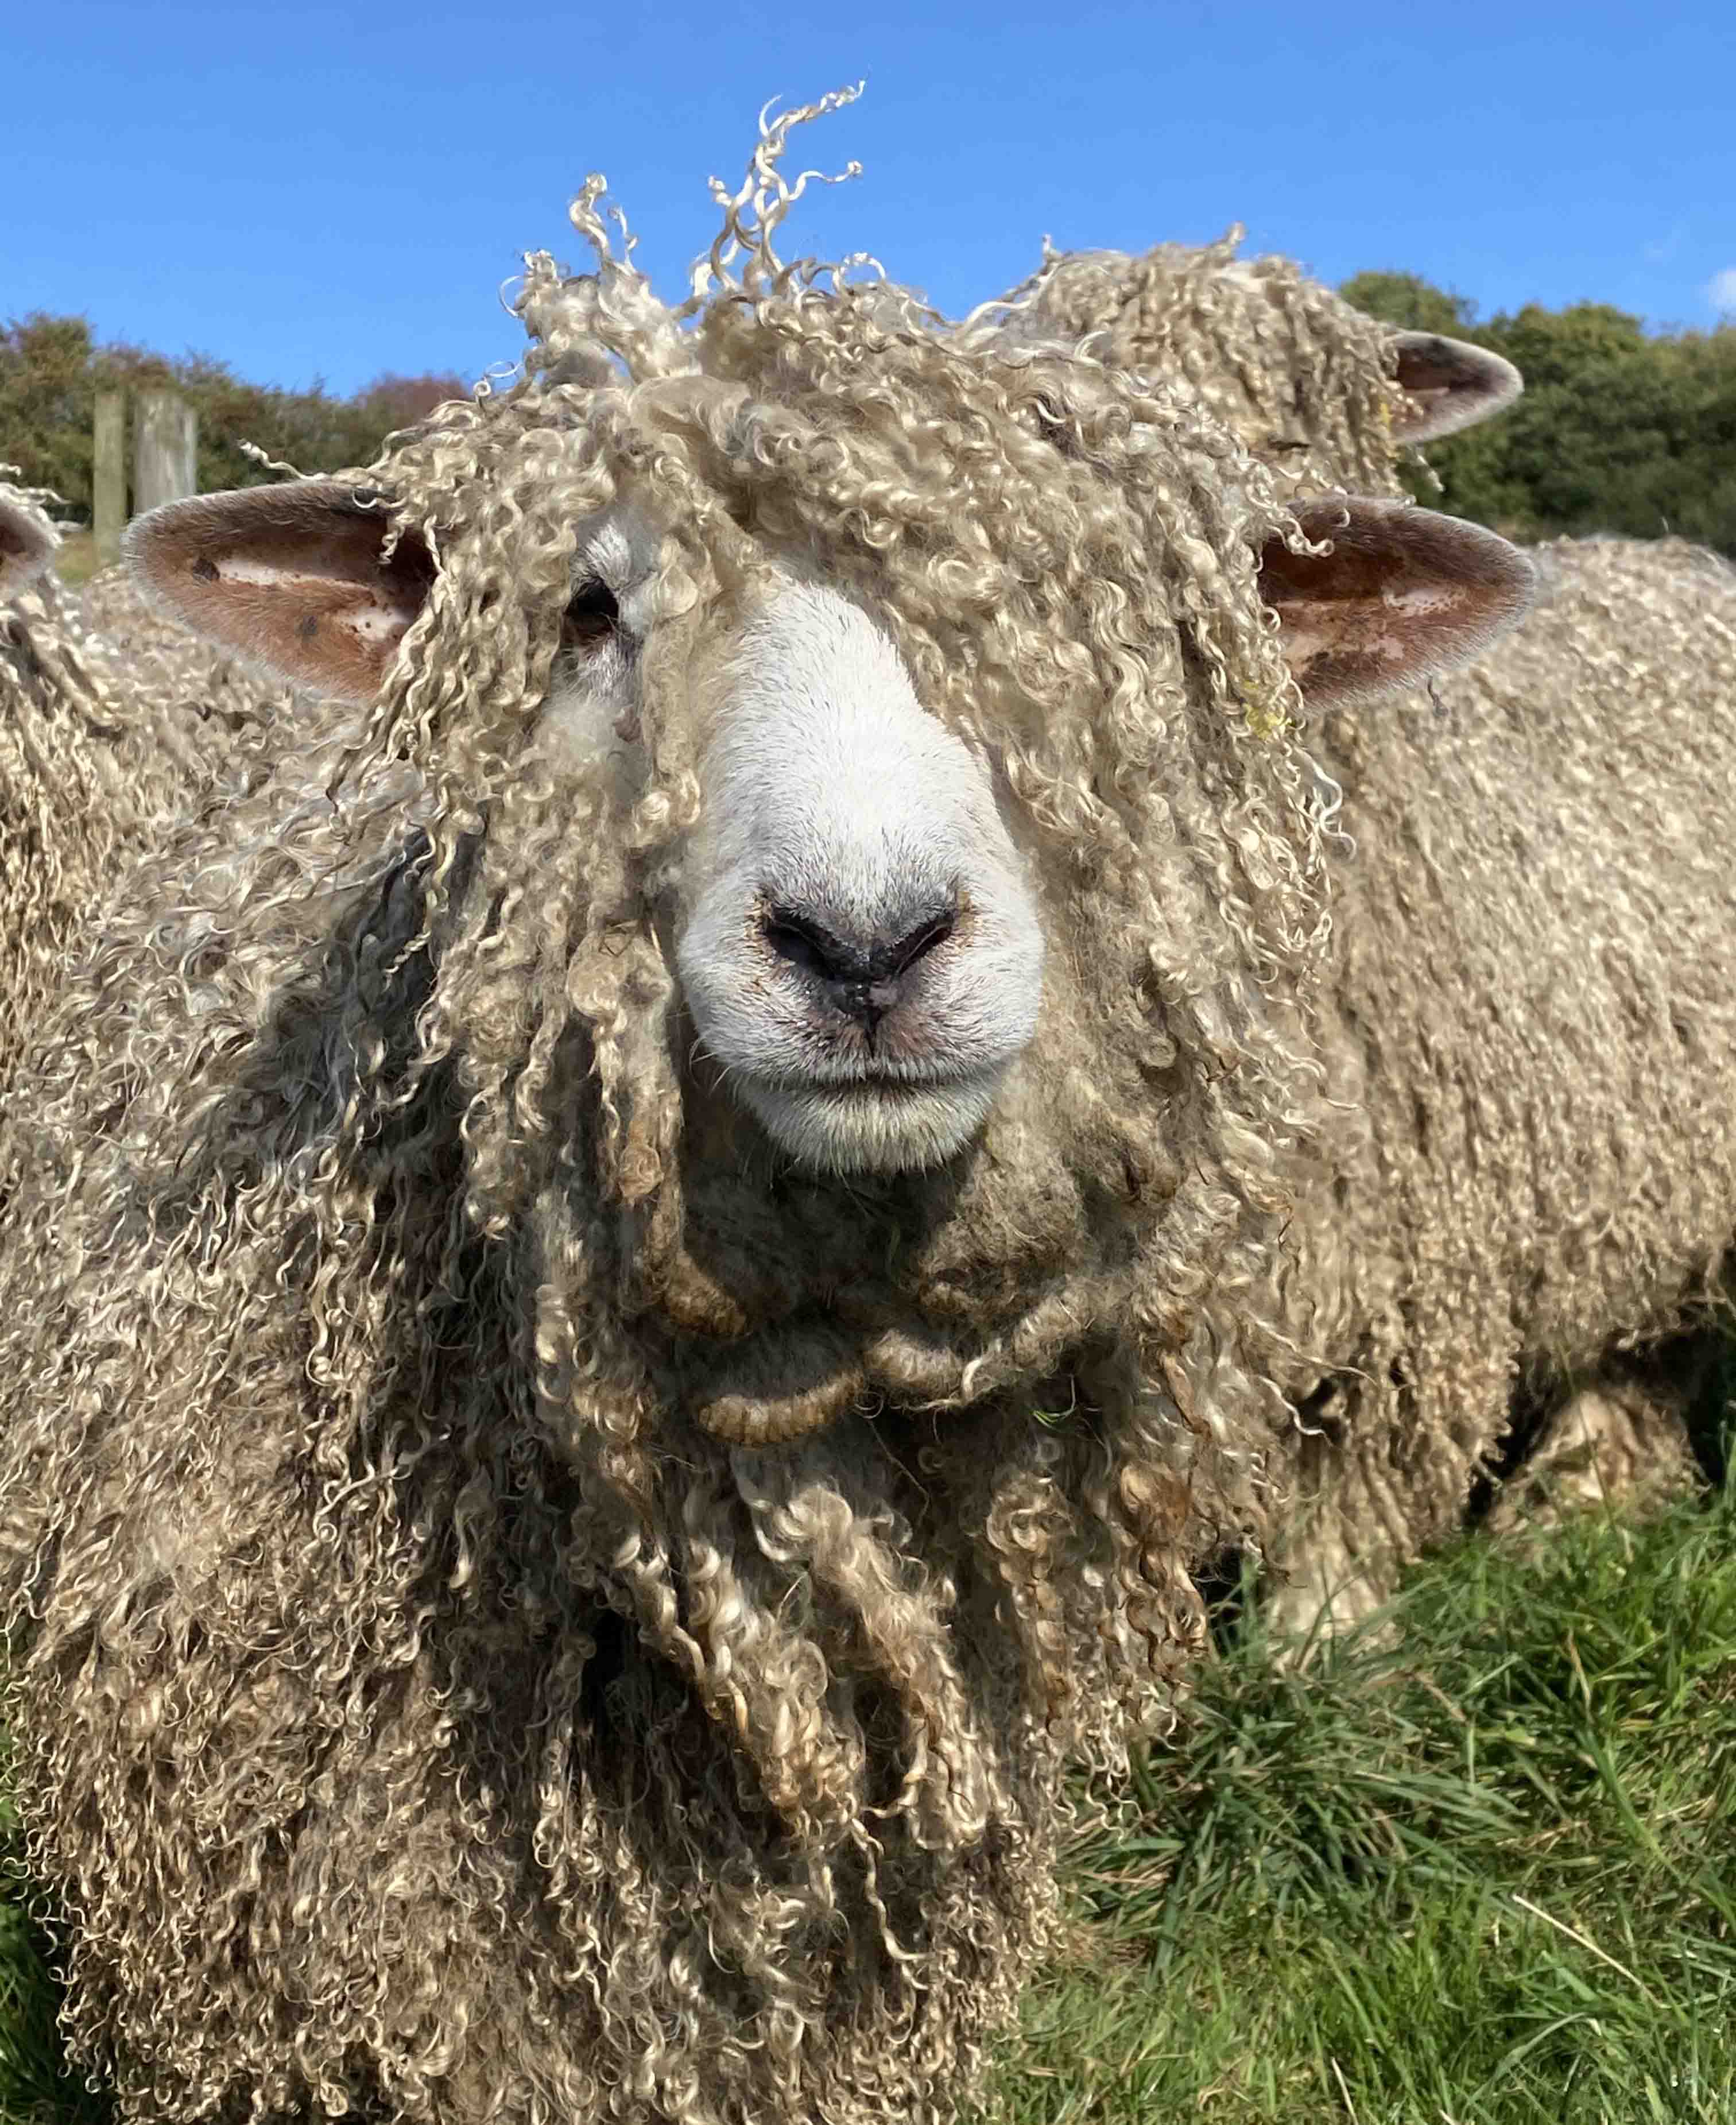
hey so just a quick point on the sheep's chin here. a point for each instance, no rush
(877, 1128)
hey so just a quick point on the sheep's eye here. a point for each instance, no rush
(592, 617)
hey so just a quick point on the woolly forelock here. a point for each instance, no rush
(95, 750)
(1308, 384)
(427, 1693)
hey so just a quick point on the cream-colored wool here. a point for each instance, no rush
(419, 1707)
(1305, 382)
(1536, 984)
(96, 747)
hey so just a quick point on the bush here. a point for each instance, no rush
(51, 370)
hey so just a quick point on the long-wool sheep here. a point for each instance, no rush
(1275, 353)
(597, 1392)
(1535, 981)
(1325, 396)
(99, 740)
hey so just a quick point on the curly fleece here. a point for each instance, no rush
(100, 742)
(420, 1708)
(1305, 382)
(1534, 1023)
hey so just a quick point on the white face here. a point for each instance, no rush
(859, 945)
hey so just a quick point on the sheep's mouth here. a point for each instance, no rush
(873, 1120)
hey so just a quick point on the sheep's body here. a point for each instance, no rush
(1277, 356)
(112, 721)
(1534, 977)
(183, 679)
(89, 760)
(1324, 395)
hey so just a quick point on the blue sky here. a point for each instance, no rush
(324, 190)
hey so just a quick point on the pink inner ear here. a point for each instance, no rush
(1448, 384)
(1404, 593)
(292, 576)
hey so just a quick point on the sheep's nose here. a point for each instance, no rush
(860, 975)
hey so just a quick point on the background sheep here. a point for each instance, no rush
(106, 731)
(1547, 1067)
(1271, 351)
(85, 764)
(26, 538)
(1325, 396)
(531, 1592)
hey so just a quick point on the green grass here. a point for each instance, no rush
(1478, 1872)
(75, 557)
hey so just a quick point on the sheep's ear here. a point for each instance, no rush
(1400, 594)
(289, 576)
(1448, 384)
(25, 543)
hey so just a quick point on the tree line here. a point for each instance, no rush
(1620, 429)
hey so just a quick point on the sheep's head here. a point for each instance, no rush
(1320, 392)
(898, 882)
(856, 927)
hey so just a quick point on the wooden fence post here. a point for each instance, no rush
(108, 476)
(165, 450)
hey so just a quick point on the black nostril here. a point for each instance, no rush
(810, 946)
(895, 960)
(862, 981)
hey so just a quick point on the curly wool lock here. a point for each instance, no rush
(474, 1732)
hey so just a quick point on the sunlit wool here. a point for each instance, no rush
(1324, 395)
(419, 1702)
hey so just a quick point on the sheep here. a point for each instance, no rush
(98, 745)
(1328, 397)
(1271, 351)
(68, 800)
(1545, 1190)
(26, 537)
(637, 1285)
